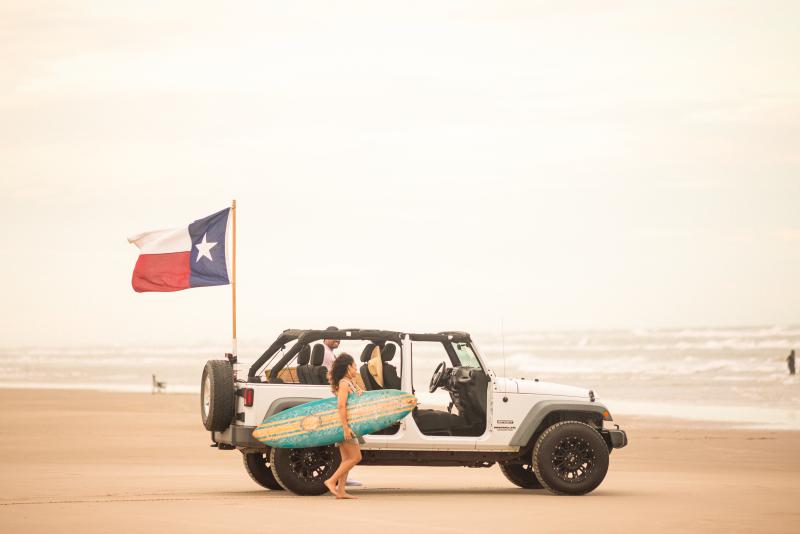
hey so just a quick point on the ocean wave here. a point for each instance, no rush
(771, 331)
(643, 365)
(732, 344)
(209, 352)
(707, 367)
(778, 418)
(92, 386)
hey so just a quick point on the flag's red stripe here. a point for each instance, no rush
(161, 272)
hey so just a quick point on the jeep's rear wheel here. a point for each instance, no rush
(217, 395)
(570, 458)
(304, 471)
(257, 466)
(521, 474)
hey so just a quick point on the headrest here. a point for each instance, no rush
(366, 354)
(317, 354)
(304, 356)
(387, 353)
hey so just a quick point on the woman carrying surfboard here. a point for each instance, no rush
(341, 376)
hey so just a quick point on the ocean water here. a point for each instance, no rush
(736, 376)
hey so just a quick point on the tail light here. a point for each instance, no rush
(248, 396)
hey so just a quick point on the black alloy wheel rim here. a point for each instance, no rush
(573, 459)
(311, 465)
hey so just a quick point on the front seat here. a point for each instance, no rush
(303, 369)
(366, 377)
(390, 378)
(319, 373)
(436, 422)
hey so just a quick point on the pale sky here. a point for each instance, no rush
(405, 165)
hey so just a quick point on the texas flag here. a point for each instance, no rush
(194, 256)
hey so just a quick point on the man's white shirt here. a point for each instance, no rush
(327, 360)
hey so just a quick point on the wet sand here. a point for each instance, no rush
(115, 462)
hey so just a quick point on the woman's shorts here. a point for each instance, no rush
(351, 441)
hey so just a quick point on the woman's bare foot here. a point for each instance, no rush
(345, 495)
(332, 488)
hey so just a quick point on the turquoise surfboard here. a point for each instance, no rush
(317, 423)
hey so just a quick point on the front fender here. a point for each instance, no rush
(542, 409)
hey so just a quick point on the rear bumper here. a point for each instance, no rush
(615, 439)
(240, 437)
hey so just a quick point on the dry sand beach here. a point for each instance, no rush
(604, 194)
(82, 461)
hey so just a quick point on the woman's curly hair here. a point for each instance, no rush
(339, 370)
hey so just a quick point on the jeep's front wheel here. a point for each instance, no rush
(304, 471)
(257, 466)
(521, 474)
(570, 458)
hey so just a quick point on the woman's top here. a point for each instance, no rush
(353, 389)
(352, 385)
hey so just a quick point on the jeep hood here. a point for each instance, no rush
(548, 388)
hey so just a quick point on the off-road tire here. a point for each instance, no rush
(258, 467)
(304, 471)
(570, 458)
(521, 474)
(217, 395)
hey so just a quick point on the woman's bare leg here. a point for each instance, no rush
(353, 453)
(332, 482)
(344, 468)
(347, 458)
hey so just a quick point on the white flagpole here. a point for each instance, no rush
(233, 279)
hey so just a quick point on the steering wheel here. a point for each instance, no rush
(438, 374)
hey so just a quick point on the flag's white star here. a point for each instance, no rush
(204, 249)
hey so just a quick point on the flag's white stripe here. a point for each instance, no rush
(163, 241)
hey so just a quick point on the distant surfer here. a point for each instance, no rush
(342, 375)
(790, 362)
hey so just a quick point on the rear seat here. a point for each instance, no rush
(318, 372)
(366, 377)
(303, 369)
(390, 378)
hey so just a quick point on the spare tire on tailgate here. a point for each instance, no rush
(217, 395)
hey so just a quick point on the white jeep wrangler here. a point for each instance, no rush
(543, 435)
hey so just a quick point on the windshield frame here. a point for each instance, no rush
(469, 345)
